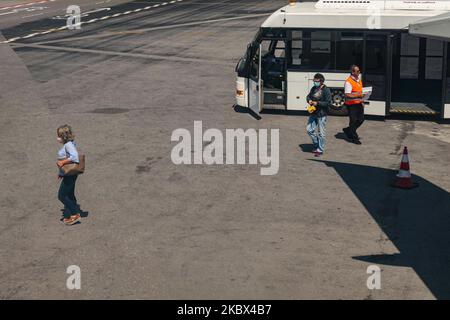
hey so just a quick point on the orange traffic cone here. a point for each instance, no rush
(404, 180)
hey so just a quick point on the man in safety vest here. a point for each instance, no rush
(355, 105)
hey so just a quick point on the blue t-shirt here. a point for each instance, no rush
(68, 151)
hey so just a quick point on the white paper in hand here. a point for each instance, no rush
(367, 91)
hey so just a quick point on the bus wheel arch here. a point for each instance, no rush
(338, 107)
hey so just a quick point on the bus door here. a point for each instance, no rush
(446, 105)
(255, 81)
(417, 72)
(273, 73)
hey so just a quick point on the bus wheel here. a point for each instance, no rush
(338, 107)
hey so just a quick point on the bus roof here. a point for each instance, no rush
(332, 15)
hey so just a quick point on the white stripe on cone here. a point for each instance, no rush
(405, 158)
(404, 174)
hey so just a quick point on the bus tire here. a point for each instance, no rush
(338, 107)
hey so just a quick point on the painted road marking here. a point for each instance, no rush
(25, 4)
(126, 54)
(136, 31)
(88, 22)
(33, 15)
(29, 9)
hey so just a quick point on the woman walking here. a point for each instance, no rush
(319, 99)
(66, 155)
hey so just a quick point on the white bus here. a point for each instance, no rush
(402, 48)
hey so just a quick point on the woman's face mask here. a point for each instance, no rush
(316, 83)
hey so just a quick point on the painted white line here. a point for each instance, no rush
(33, 15)
(24, 5)
(194, 23)
(124, 54)
(11, 40)
(24, 10)
(90, 21)
(29, 36)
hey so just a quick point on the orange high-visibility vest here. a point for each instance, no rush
(357, 87)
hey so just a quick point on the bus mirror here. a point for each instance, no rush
(239, 65)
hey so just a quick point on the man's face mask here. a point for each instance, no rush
(316, 83)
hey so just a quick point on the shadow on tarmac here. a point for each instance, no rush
(240, 109)
(306, 147)
(417, 221)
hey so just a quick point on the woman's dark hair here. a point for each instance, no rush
(320, 77)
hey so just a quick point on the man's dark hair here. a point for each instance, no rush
(320, 77)
(353, 66)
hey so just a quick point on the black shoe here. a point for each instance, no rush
(347, 134)
(356, 141)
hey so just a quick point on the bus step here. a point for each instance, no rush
(413, 110)
(274, 106)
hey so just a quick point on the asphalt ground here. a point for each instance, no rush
(155, 230)
(21, 14)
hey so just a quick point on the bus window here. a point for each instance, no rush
(273, 64)
(311, 50)
(274, 33)
(279, 51)
(349, 49)
(266, 47)
(409, 57)
(254, 68)
(434, 59)
(376, 54)
(374, 71)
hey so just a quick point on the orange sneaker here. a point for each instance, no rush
(72, 220)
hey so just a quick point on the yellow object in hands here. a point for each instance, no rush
(311, 109)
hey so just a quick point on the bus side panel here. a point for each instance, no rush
(375, 108)
(242, 86)
(446, 111)
(297, 90)
(299, 84)
(333, 80)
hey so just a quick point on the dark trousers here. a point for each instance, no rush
(356, 119)
(66, 195)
